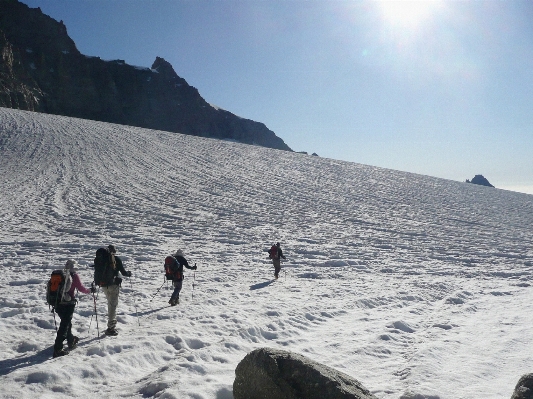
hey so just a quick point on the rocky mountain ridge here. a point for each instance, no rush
(42, 70)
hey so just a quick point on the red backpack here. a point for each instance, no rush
(172, 271)
(273, 252)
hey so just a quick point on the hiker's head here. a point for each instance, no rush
(179, 252)
(112, 249)
(70, 265)
(278, 244)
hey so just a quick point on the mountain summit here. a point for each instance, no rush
(42, 70)
(481, 180)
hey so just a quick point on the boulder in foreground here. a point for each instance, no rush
(271, 373)
(524, 388)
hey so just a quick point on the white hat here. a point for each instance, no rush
(179, 252)
(70, 264)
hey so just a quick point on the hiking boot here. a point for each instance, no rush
(60, 352)
(174, 302)
(111, 332)
(74, 343)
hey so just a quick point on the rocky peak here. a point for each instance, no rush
(481, 180)
(164, 67)
(31, 30)
(42, 70)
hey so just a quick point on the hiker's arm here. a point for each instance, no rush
(186, 264)
(120, 267)
(77, 284)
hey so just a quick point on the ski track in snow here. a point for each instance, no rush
(413, 285)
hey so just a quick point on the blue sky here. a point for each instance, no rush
(440, 88)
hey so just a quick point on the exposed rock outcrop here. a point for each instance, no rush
(479, 179)
(42, 70)
(270, 373)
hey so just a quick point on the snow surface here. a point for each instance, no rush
(418, 287)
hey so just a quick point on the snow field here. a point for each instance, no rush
(411, 284)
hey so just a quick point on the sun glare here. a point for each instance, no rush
(407, 13)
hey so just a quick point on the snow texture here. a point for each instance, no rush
(416, 286)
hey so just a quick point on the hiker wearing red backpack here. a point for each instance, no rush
(174, 271)
(275, 253)
(65, 308)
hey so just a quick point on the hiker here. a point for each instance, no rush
(65, 310)
(275, 253)
(176, 269)
(111, 288)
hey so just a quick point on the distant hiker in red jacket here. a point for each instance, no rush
(275, 253)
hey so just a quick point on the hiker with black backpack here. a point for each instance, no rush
(275, 253)
(174, 271)
(61, 296)
(106, 268)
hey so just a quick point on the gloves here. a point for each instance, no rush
(93, 288)
(128, 273)
(194, 267)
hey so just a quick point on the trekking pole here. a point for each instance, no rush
(153, 296)
(91, 322)
(54, 313)
(193, 281)
(135, 303)
(96, 314)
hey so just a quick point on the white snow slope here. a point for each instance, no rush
(416, 286)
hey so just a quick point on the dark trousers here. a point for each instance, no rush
(177, 288)
(65, 313)
(277, 266)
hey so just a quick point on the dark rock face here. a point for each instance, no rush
(524, 388)
(42, 70)
(479, 179)
(269, 373)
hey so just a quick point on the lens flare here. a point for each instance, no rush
(408, 13)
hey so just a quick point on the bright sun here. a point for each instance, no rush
(407, 13)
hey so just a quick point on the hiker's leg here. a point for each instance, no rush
(111, 293)
(177, 288)
(65, 313)
(277, 266)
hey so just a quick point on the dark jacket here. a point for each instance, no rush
(119, 267)
(178, 266)
(278, 254)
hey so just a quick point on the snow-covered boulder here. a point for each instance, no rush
(271, 373)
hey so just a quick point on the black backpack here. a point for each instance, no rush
(104, 267)
(57, 288)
